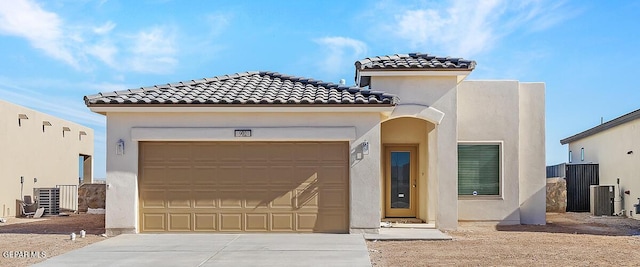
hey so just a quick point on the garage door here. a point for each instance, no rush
(244, 187)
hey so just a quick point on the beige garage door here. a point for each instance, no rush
(244, 187)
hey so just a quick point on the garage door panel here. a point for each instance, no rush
(178, 175)
(306, 152)
(333, 176)
(152, 222)
(179, 199)
(306, 222)
(231, 198)
(280, 175)
(229, 153)
(205, 222)
(332, 198)
(283, 153)
(154, 175)
(205, 154)
(231, 222)
(255, 175)
(282, 222)
(257, 222)
(176, 152)
(153, 199)
(256, 152)
(331, 221)
(305, 175)
(257, 199)
(205, 199)
(334, 152)
(229, 176)
(244, 187)
(180, 222)
(203, 175)
(307, 197)
(284, 200)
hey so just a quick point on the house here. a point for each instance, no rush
(39, 151)
(263, 151)
(612, 146)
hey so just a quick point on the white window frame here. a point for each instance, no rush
(500, 194)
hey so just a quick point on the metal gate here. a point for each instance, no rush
(68, 197)
(579, 178)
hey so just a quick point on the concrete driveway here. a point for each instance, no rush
(220, 250)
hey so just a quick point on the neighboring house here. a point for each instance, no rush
(43, 150)
(262, 151)
(614, 146)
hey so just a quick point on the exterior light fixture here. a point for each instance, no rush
(65, 129)
(120, 147)
(45, 123)
(22, 117)
(365, 147)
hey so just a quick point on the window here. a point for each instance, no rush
(570, 156)
(582, 154)
(479, 169)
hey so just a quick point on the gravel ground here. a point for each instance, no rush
(47, 237)
(568, 239)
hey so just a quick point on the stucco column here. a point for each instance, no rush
(446, 153)
(532, 154)
(122, 182)
(365, 184)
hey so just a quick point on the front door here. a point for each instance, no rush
(400, 179)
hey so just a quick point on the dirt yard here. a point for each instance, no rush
(46, 237)
(569, 239)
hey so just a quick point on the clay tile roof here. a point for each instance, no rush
(247, 88)
(415, 61)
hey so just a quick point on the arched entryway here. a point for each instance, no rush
(406, 188)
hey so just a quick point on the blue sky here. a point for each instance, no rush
(55, 52)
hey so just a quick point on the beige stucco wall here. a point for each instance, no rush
(29, 152)
(511, 114)
(439, 93)
(122, 170)
(609, 149)
(532, 159)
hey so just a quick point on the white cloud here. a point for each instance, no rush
(467, 28)
(218, 22)
(104, 29)
(104, 51)
(154, 51)
(43, 29)
(340, 52)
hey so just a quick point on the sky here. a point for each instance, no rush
(54, 52)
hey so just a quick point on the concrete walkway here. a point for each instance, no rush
(405, 233)
(220, 250)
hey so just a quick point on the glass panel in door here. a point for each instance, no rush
(400, 180)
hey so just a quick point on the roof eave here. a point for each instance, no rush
(239, 108)
(602, 127)
(460, 74)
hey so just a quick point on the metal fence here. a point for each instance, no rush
(556, 170)
(68, 197)
(579, 179)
